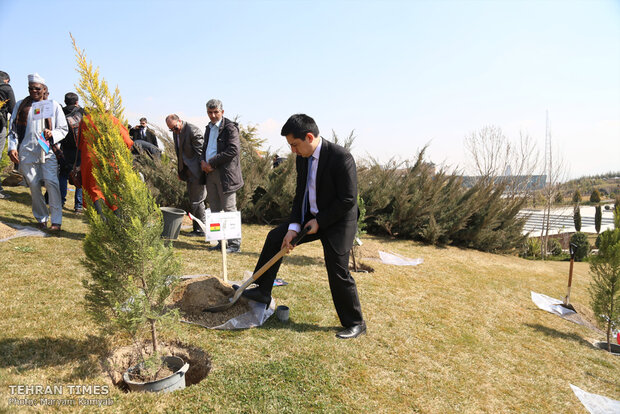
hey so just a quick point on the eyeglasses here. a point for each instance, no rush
(34, 88)
(174, 127)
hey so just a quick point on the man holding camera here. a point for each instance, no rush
(142, 132)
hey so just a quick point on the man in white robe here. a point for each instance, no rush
(36, 165)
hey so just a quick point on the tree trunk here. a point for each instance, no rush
(153, 335)
(353, 258)
(609, 336)
(609, 323)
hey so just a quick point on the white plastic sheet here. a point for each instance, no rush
(596, 404)
(398, 260)
(23, 231)
(256, 316)
(550, 304)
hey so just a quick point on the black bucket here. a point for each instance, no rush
(173, 217)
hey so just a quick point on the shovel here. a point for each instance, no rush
(259, 273)
(566, 303)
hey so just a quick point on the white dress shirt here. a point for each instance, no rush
(311, 186)
(214, 132)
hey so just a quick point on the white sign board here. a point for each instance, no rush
(220, 226)
(42, 109)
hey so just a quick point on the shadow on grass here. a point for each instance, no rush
(554, 333)
(22, 198)
(69, 235)
(274, 324)
(21, 219)
(29, 353)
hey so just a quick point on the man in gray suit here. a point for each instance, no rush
(188, 142)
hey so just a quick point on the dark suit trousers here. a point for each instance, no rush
(197, 193)
(341, 283)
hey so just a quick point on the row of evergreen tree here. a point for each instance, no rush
(402, 199)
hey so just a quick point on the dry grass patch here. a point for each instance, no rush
(458, 333)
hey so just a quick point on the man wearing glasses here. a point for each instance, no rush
(28, 147)
(188, 146)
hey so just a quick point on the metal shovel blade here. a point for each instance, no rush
(259, 273)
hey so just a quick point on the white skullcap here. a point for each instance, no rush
(36, 78)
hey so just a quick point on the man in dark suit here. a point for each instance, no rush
(326, 202)
(188, 146)
(6, 94)
(221, 164)
(143, 132)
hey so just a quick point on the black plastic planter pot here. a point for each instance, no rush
(173, 217)
(174, 382)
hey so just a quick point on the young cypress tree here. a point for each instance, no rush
(129, 264)
(577, 218)
(605, 286)
(598, 217)
(577, 197)
(595, 196)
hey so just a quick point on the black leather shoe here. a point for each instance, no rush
(216, 247)
(256, 295)
(233, 249)
(197, 233)
(352, 332)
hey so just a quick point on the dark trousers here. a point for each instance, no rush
(63, 178)
(197, 193)
(341, 283)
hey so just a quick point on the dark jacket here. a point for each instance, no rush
(6, 94)
(336, 195)
(188, 145)
(136, 135)
(227, 159)
(69, 145)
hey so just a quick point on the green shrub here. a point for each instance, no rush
(555, 247)
(595, 196)
(576, 197)
(598, 217)
(417, 202)
(605, 286)
(531, 248)
(582, 249)
(558, 198)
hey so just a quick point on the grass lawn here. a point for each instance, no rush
(457, 333)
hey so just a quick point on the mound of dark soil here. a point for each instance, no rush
(192, 296)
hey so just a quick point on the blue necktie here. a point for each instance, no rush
(304, 204)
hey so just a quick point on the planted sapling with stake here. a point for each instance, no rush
(129, 263)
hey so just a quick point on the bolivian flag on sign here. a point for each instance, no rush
(215, 227)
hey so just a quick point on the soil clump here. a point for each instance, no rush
(192, 296)
(6, 231)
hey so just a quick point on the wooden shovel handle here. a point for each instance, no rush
(279, 255)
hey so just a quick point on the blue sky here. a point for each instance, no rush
(400, 73)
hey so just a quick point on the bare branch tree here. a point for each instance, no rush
(556, 174)
(495, 157)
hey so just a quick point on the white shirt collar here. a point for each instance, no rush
(217, 124)
(317, 150)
